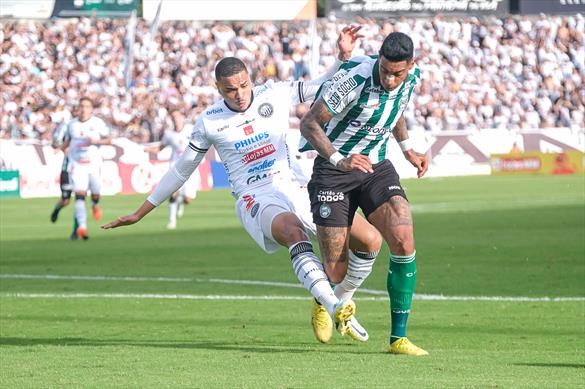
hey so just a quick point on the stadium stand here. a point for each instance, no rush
(478, 73)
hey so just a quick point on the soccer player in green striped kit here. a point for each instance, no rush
(349, 126)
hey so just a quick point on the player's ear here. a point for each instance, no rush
(411, 64)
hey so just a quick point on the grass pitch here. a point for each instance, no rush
(119, 327)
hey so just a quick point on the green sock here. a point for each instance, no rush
(75, 225)
(400, 284)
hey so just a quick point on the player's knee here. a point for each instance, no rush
(403, 244)
(373, 241)
(65, 201)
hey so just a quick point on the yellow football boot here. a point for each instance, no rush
(342, 314)
(406, 347)
(321, 322)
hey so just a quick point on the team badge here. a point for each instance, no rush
(324, 210)
(265, 110)
(255, 209)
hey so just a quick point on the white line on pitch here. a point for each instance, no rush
(424, 297)
(427, 297)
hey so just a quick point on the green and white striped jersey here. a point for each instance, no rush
(364, 114)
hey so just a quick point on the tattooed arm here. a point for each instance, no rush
(419, 161)
(312, 129)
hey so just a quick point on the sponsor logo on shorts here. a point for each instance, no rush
(214, 111)
(258, 153)
(324, 211)
(328, 196)
(255, 209)
(265, 110)
(263, 166)
(394, 187)
(260, 177)
(251, 140)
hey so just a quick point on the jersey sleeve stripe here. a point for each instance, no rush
(197, 149)
(300, 92)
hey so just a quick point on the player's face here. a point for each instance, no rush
(392, 74)
(236, 90)
(85, 110)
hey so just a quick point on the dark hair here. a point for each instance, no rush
(397, 47)
(85, 98)
(229, 66)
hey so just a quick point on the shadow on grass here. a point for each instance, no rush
(538, 364)
(257, 347)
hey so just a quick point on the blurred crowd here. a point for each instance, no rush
(513, 73)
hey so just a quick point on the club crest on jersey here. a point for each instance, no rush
(324, 211)
(265, 110)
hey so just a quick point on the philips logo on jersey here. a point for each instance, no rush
(328, 196)
(263, 166)
(250, 141)
(258, 153)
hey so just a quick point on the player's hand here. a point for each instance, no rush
(346, 41)
(122, 221)
(356, 162)
(419, 161)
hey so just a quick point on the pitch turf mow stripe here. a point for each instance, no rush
(427, 297)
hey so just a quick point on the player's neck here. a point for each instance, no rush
(83, 121)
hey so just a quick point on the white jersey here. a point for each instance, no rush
(80, 133)
(177, 141)
(252, 144)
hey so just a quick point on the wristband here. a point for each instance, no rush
(405, 145)
(335, 158)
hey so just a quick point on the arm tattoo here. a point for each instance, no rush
(400, 131)
(312, 129)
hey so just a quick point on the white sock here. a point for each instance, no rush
(309, 271)
(80, 213)
(173, 207)
(359, 268)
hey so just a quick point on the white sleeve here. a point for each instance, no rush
(177, 175)
(303, 91)
(184, 167)
(308, 89)
(103, 129)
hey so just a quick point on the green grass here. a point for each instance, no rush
(476, 236)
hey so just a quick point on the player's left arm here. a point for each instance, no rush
(419, 161)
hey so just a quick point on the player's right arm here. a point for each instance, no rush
(173, 179)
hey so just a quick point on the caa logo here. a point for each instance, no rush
(250, 141)
(265, 110)
(258, 153)
(259, 177)
(214, 111)
(328, 196)
(263, 166)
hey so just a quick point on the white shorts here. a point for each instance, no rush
(85, 176)
(189, 188)
(250, 207)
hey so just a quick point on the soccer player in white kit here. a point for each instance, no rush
(178, 139)
(84, 135)
(248, 129)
